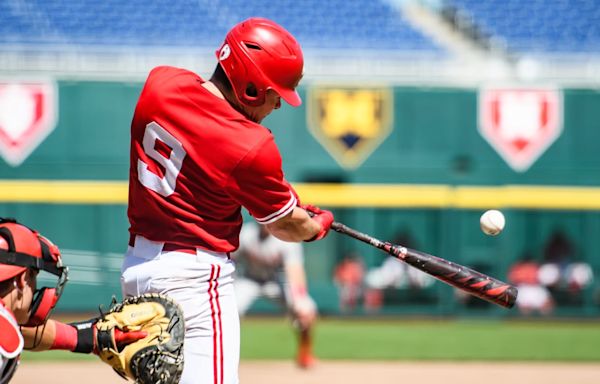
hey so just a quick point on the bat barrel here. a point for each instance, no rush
(469, 280)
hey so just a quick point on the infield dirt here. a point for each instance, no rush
(343, 372)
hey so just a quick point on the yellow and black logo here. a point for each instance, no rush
(350, 122)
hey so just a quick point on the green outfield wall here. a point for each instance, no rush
(418, 167)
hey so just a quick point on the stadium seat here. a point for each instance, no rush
(336, 24)
(552, 26)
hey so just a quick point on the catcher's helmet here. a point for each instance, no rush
(22, 248)
(260, 53)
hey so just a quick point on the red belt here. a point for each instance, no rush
(169, 247)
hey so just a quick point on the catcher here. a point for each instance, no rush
(141, 338)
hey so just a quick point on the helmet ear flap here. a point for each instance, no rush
(251, 90)
(43, 303)
(253, 96)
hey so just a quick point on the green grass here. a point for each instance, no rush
(56, 356)
(429, 340)
(415, 340)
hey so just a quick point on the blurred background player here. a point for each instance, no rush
(271, 268)
(393, 274)
(561, 272)
(198, 155)
(348, 276)
(24, 309)
(534, 297)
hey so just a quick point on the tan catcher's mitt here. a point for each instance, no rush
(158, 357)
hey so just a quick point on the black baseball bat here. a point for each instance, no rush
(456, 275)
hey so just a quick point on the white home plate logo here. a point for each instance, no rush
(520, 123)
(27, 115)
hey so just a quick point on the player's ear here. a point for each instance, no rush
(21, 280)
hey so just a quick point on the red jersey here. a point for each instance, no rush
(195, 161)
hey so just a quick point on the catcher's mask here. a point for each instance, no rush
(22, 248)
(259, 54)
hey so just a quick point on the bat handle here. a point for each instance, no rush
(341, 228)
(392, 249)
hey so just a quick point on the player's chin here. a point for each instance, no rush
(260, 116)
(254, 117)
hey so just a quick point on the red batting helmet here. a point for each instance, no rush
(22, 248)
(260, 53)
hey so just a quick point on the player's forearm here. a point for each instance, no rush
(39, 338)
(295, 227)
(296, 280)
(57, 335)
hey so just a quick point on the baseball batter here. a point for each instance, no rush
(274, 269)
(198, 155)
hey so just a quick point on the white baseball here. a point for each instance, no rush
(492, 222)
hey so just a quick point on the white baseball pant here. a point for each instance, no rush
(203, 285)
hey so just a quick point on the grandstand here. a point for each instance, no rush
(540, 26)
(395, 40)
(334, 24)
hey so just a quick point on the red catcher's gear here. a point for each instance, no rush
(260, 53)
(22, 248)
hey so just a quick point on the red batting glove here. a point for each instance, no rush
(321, 216)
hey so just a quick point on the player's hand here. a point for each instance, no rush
(321, 216)
(304, 311)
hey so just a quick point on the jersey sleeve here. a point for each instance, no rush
(258, 184)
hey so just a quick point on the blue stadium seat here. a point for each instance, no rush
(555, 26)
(563, 26)
(317, 24)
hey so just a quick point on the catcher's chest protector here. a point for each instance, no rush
(11, 345)
(7, 369)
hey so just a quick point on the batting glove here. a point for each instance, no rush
(321, 216)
